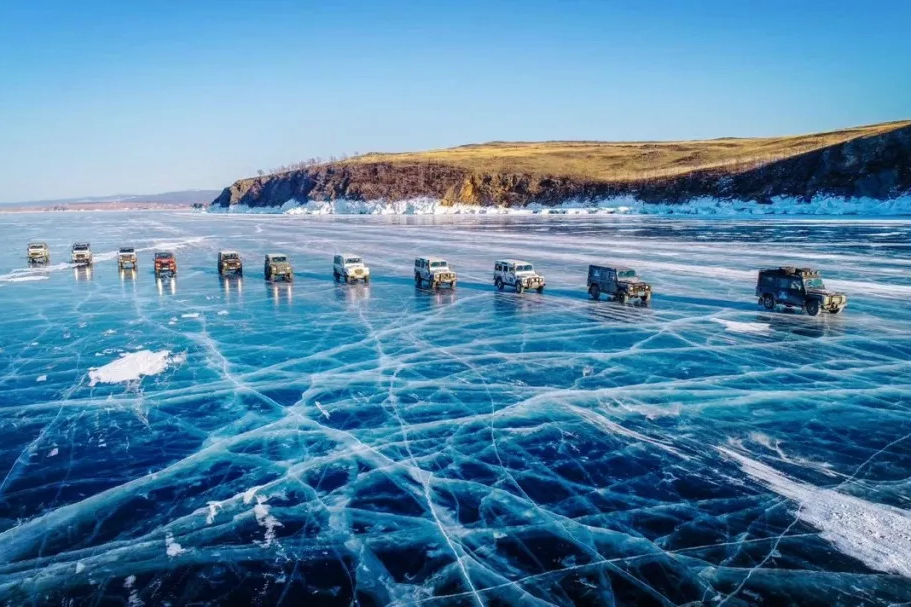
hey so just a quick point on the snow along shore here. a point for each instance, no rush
(626, 205)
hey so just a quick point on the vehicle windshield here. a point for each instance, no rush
(229, 255)
(626, 274)
(813, 283)
(126, 250)
(524, 268)
(353, 260)
(36, 246)
(279, 259)
(162, 256)
(80, 247)
(437, 264)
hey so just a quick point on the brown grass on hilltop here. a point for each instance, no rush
(626, 161)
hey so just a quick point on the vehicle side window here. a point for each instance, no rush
(796, 285)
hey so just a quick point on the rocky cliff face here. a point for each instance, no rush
(876, 166)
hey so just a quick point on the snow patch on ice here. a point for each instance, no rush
(222, 312)
(877, 534)
(133, 366)
(14, 278)
(744, 327)
(53, 452)
(265, 519)
(211, 511)
(190, 315)
(322, 409)
(819, 205)
(172, 548)
(41, 378)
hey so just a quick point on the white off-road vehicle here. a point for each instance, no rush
(520, 275)
(38, 253)
(126, 258)
(82, 254)
(433, 272)
(349, 268)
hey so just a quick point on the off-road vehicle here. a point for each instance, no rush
(277, 267)
(126, 258)
(165, 264)
(229, 262)
(434, 272)
(82, 254)
(620, 283)
(38, 253)
(349, 268)
(797, 288)
(520, 275)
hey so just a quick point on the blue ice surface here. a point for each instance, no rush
(328, 444)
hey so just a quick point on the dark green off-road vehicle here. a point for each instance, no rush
(618, 282)
(797, 288)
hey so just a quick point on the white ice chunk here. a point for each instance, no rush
(41, 378)
(132, 366)
(743, 327)
(190, 315)
(877, 534)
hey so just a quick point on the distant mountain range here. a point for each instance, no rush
(181, 198)
(869, 161)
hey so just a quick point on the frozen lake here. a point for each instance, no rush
(327, 444)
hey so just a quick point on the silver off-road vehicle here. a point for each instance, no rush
(797, 288)
(620, 283)
(229, 262)
(82, 254)
(520, 275)
(38, 253)
(277, 267)
(433, 272)
(349, 268)
(126, 258)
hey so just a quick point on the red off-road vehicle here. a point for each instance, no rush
(165, 264)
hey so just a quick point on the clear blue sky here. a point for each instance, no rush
(101, 98)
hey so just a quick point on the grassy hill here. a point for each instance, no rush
(628, 161)
(871, 161)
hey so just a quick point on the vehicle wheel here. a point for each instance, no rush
(499, 284)
(433, 285)
(366, 279)
(837, 310)
(622, 298)
(452, 284)
(519, 287)
(336, 276)
(595, 292)
(645, 299)
(417, 280)
(540, 289)
(812, 307)
(768, 301)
